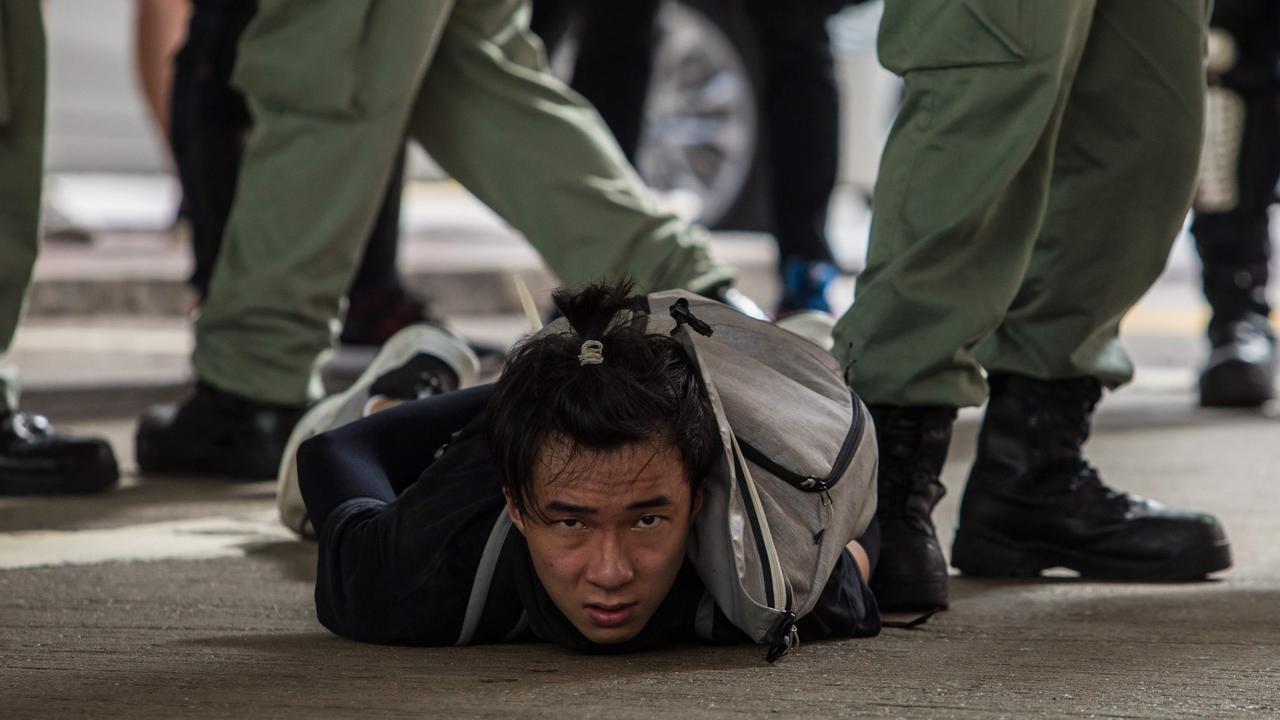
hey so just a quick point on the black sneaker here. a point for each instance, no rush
(1242, 365)
(805, 284)
(37, 460)
(377, 315)
(215, 433)
(913, 443)
(1033, 502)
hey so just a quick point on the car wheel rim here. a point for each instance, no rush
(701, 125)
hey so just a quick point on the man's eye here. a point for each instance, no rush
(649, 520)
(571, 523)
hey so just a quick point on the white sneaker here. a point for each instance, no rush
(418, 361)
(816, 327)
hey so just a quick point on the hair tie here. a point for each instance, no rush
(592, 353)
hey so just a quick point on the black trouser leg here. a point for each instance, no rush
(1237, 188)
(1235, 245)
(550, 20)
(209, 124)
(615, 58)
(615, 62)
(377, 270)
(802, 113)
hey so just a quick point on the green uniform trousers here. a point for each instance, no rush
(1033, 183)
(22, 109)
(334, 86)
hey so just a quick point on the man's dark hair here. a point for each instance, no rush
(646, 389)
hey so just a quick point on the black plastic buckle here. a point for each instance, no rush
(681, 314)
(784, 638)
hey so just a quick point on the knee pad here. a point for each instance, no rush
(1219, 187)
(1223, 52)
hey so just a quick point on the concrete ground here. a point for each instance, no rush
(184, 597)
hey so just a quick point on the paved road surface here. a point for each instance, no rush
(184, 598)
(218, 621)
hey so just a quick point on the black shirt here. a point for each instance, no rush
(401, 546)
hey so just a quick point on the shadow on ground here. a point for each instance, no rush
(1048, 648)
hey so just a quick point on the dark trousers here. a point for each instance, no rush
(615, 52)
(1235, 246)
(210, 124)
(800, 99)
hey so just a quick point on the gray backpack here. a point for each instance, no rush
(797, 481)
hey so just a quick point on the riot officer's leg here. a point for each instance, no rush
(330, 84)
(1123, 174)
(33, 458)
(960, 199)
(530, 148)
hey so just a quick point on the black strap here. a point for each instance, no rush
(911, 624)
(681, 314)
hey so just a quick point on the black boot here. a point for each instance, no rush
(1242, 363)
(1033, 502)
(36, 460)
(913, 441)
(215, 433)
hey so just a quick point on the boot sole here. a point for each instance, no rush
(157, 454)
(984, 555)
(1236, 384)
(237, 468)
(52, 478)
(915, 596)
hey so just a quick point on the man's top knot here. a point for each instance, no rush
(592, 353)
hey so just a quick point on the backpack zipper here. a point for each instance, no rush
(768, 562)
(807, 482)
(782, 637)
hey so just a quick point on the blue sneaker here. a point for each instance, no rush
(804, 285)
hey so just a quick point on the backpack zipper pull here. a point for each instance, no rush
(681, 314)
(827, 502)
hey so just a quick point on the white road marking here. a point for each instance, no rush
(1154, 378)
(194, 539)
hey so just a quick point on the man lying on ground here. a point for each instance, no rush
(593, 446)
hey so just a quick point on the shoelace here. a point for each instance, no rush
(902, 461)
(27, 426)
(1087, 482)
(1082, 478)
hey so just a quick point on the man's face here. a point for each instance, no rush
(613, 537)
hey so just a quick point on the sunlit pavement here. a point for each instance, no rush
(183, 596)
